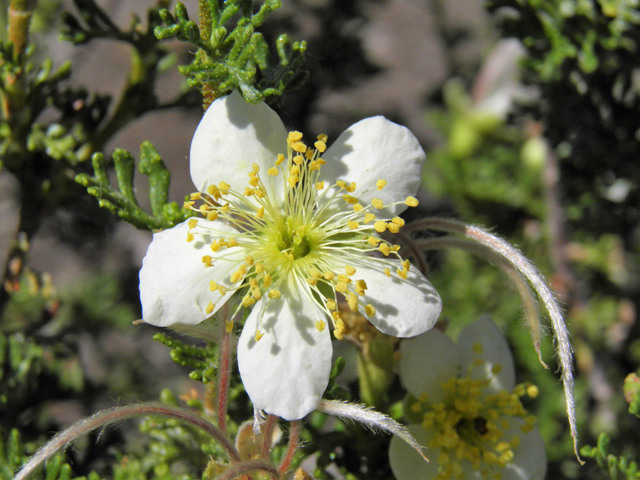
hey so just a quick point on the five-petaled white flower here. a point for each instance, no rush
(285, 228)
(466, 409)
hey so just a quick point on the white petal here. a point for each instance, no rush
(428, 361)
(174, 283)
(374, 149)
(406, 463)
(286, 372)
(495, 351)
(404, 308)
(530, 458)
(231, 137)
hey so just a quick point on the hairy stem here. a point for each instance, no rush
(267, 436)
(243, 468)
(113, 415)
(294, 443)
(224, 372)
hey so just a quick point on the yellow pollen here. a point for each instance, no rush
(352, 300)
(259, 267)
(229, 325)
(259, 335)
(377, 203)
(247, 301)
(295, 170)
(254, 181)
(192, 223)
(393, 228)
(249, 192)
(207, 260)
(339, 324)
(385, 249)
(298, 160)
(411, 202)
(328, 275)
(342, 287)
(315, 272)
(309, 154)
(215, 246)
(299, 147)
(260, 212)
(406, 264)
(232, 243)
(188, 204)
(402, 273)
(294, 136)
(351, 187)
(248, 259)
(213, 191)
(255, 167)
(190, 237)
(212, 215)
(323, 138)
(352, 225)
(253, 282)
(331, 305)
(369, 217)
(369, 310)
(292, 180)
(532, 391)
(209, 308)
(373, 241)
(395, 248)
(279, 160)
(387, 272)
(260, 193)
(266, 280)
(350, 199)
(213, 286)
(195, 196)
(349, 270)
(341, 184)
(273, 171)
(343, 278)
(380, 184)
(312, 281)
(222, 289)
(224, 187)
(398, 221)
(361, 286)
(357, 208)
(380, 226)
(320, 325)
(319, 185)
(273, 293)
(320, 146)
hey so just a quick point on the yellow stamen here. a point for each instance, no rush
(209, 308)
(369, 217)
(377, 203)
(273, 293)
(352, 225)
(369, 310)
(280, 159)
(380, 184)
(259, 335)
(411, 202)
(192, 223)
(273, 171)
(380, 226)
(320, 325)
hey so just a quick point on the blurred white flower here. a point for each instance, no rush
(466, 409)
(286, 229)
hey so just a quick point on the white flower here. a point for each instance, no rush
(467, 410)
(285, 228)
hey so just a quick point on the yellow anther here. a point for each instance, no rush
(192, 223)
(259, 268)
(385, 249)
(398, 221)
(380, 184)
(352, 300)
(323, 138)
(328, 275)
(292, 180)
(350, 199)
(387, 272)
(260, 212)
(406, 264)
(203, 209)
(248, 192)
(341, 184)
(309, 154)
(361, 285)
(352, 225)
(256, 168)
(312, 280)
(477, 348)
(411, 202)
(377, 203)
(320, 325)
(373, 241)
(299, 147)
(395, 248)
(273, 171)
(224, 187)
(339, 324)
(209, 308)
(369, 217)
(532, 391)
(273, 293)
(190, 237)
(266, 280)
(254, 181)
(342, 287)
(248, 260)
(320, 146)
(215, 246)
(212, 215)
(229, 325)
(316, 164)
(207, 260)
(195, 196)
(357, 208)
(298, 160)
(213, 286)
(380, 226)
(280, 159)
(248, 300)
(319, 185)
(369, 310)
(260, 193)
(295, 170)
(343, 278)
(331, 305)
(259, 335)
(232, 243)
(188, 205)
(393, 228)
(213, 191)
(222, 289)
(257, 294)
(402, 273)
(293, 137)
(349, 270)
(315, 272)
(351, 187)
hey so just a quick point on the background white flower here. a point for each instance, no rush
(287, 227)
(467, 411)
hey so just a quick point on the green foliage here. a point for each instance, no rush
(235, 59)
(123, 202)
(632, 393)
(200, 359)
(618, 468)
